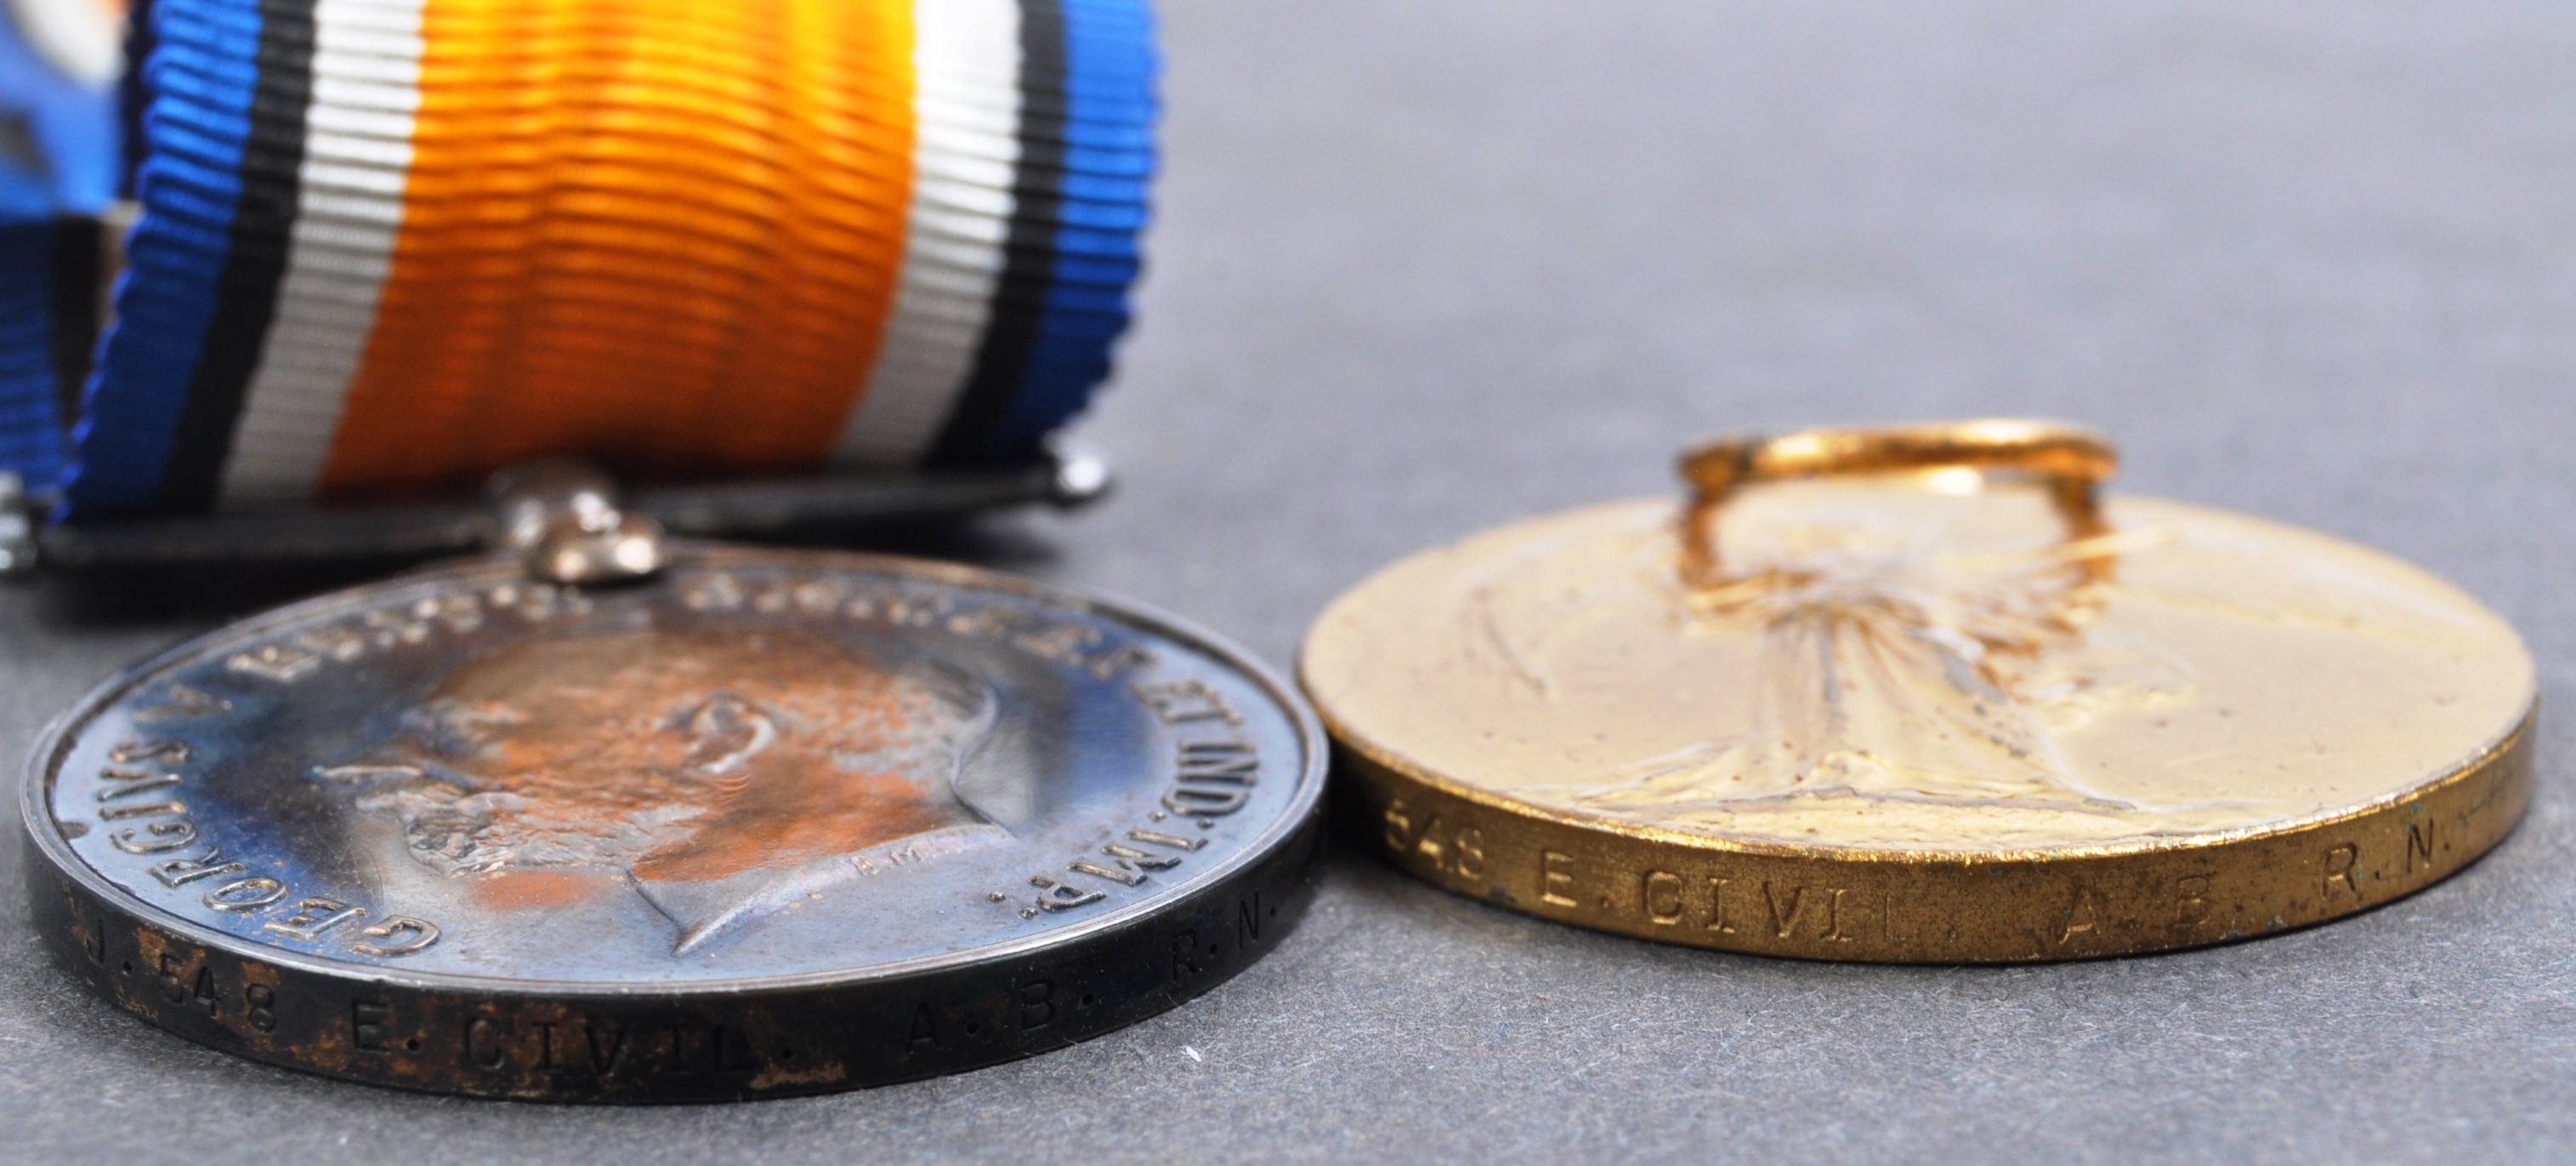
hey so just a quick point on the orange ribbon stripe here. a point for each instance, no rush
(665, 232)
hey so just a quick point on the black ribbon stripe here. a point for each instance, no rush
(75, 296)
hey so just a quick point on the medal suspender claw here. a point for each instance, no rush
(604, 812)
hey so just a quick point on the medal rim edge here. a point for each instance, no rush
(2511, 767)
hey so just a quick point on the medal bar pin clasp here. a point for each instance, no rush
(799, 507)
(561, 516)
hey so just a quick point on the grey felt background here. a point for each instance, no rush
(1423, 267)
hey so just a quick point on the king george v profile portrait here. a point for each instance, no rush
(723, 777)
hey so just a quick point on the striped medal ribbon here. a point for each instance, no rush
(381, 248)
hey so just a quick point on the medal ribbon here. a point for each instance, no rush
(388, 246)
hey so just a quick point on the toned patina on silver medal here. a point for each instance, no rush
(765, 823)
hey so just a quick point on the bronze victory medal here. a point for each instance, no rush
(1917, 695)
(770, 823)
